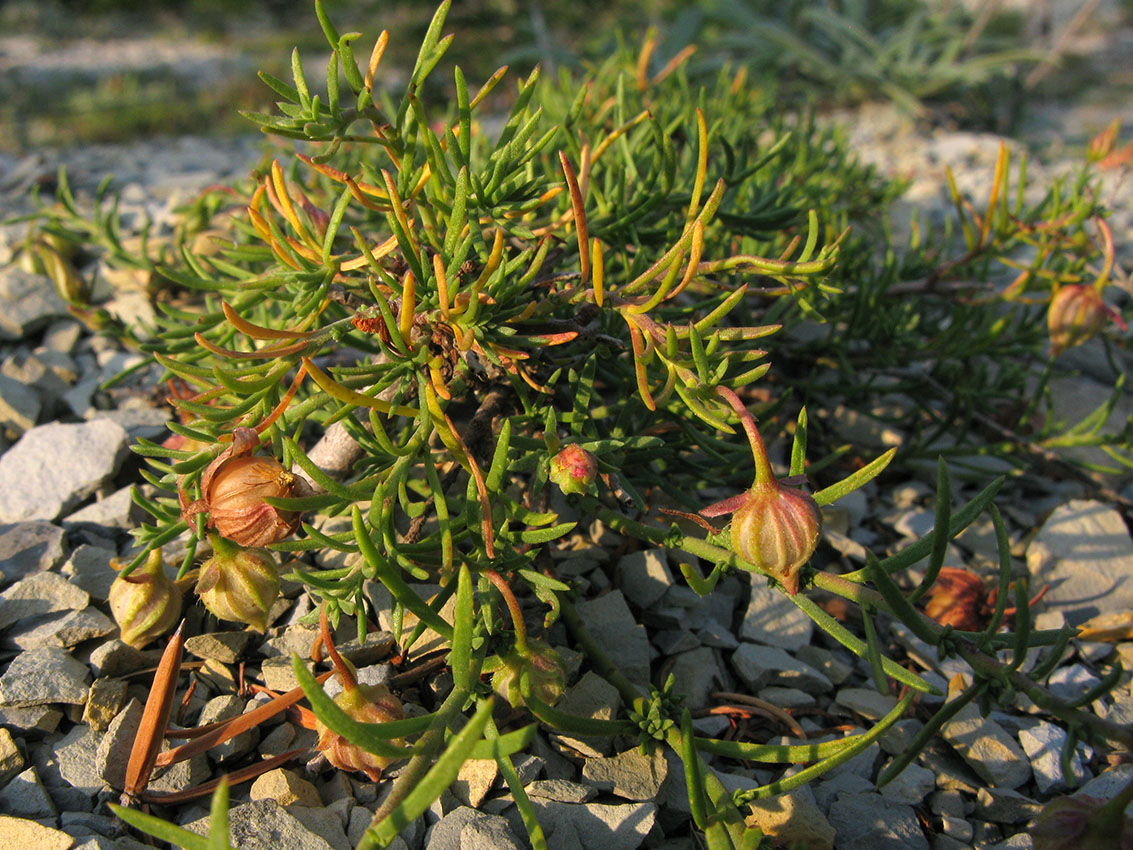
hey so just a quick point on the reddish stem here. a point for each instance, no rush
(513, 607)
(344, 671)
(763, 472)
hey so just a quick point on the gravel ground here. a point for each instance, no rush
(70, 699)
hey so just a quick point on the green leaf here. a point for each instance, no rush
(503, 746)
(165, 831)
(439, 777)
(327, 710)
(852, 482)
(460, 658)
(389, 575)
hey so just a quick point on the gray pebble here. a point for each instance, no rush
(41, 676)
(29, 547)
(54, 467)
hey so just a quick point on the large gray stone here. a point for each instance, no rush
(768, 665)
(29, 547)
(1043, 743)
(11, 759)
(323, 822)
(591, 696)
(490, 832)
(64, 629)
(114, 748)
(114, 658)
(610, 827)
(109, 515)
(1085, 553)
(54, 467)
(42, 676)
(772, 618)
(870, 822)
(987, 748)
(78, 761)
(19, 407)
(89, 567)
(26, 797)
(265, 825)
(792, 820)
(866, 701)
(911, 785)
(645, 576)
(465, 828)
(629, 775)
(38, 594)
(19, 833)
(613, 625)
(697, 674)
(28, 303)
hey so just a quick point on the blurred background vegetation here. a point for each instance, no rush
(79, 71)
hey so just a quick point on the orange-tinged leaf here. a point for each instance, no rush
(262, 354)
(1101, 145)
(257, 331)
(578, 206)
(1119, 158)
(1108, 628)
(332, 387)
(376, 58)
(377, 252)
(204, 738)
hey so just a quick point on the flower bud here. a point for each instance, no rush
(777, 528)
(366, 704)
(543, 667)
(145, 603)
(957, 599)
(574, 469)
(1075, 314)
(1084, 823)
(239, 584)
(234, 487)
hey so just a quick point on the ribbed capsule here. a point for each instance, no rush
(544, 670)
(233, 489)
(366, 704)
(777, 529)
(145, 604)
(239, 584)
(1075, 314)
(1081, 822)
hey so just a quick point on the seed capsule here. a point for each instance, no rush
(146, 604)
(239, 584)
(543, 668)
(366, 704)
(1075, 314)
(777, 529)
(234, 487)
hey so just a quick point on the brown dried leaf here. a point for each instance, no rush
(155, 716)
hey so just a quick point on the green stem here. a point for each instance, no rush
(987, 667)
(624, 525)
(720, 797)
(428, 746)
